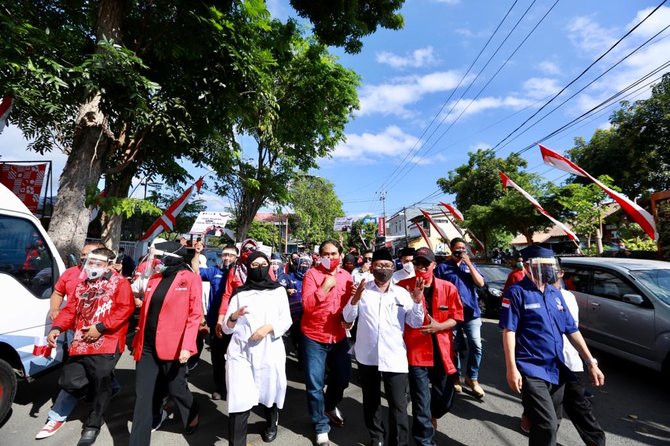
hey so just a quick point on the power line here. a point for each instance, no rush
(581, 74)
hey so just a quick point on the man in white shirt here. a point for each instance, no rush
(382, 310)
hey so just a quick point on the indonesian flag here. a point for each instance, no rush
(641, 216)
(5, 110)
(437, 228)
(167, 221)
(423, 234)
(455, 212)
(42, 348)
(506, 182)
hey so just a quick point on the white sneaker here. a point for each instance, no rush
(49, 429)
(322, 439)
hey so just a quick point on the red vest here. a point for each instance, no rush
(446, 305)
(179, 319)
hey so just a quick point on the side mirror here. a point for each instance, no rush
(634, 299)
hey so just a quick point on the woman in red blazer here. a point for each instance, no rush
(169, 321)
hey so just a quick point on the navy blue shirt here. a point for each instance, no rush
(465, 284)
(217, 285)
(539, 321)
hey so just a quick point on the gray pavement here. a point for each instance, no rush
(633, 408)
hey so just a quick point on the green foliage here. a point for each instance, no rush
(315, 205)
(261, 231)
(344, 23)
(635, 151)
(362, 234)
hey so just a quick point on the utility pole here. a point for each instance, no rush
(382, 197)
(404, 216)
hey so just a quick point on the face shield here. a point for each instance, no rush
(542, 270)
(94, 267)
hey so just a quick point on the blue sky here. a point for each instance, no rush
(403, 138)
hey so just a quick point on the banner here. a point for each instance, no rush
(381, 227)
(455, 212)
(641, 216)
(437, 228)
(506, 182)
(208, 221)
(423, 234)
(343, 224)
(5, 110)
(25, 181)
(167, 221)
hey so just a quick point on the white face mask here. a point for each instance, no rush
(408, 267)
(325, 262)
(94, 273)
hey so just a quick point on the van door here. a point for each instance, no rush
(622, 325)
(28, 271)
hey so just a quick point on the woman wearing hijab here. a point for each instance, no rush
(257, 317)
(166, 337)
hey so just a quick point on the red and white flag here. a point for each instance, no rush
(423, 234)
(637, 213)
(507, 182)
(42, 348)
(167, 221)
(5, 110)
(455, 212)
(25, 180)
(437, 228)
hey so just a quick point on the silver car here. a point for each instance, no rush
(624, 306)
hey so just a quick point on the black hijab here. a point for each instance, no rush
(258, 278)
(173, 264)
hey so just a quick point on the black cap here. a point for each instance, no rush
(425, 253)
(406, 251)
(382, 254)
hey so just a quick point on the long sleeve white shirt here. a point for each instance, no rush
(381, 321)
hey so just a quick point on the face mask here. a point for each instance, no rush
(408, 267)
(94, 273)
(159, 268)
(382, 275)
(330, 264)
(258, 274)
(519, 264)
(427, 275)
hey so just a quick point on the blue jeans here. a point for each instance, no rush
(472, 331)
(316, 356)
(66, 402)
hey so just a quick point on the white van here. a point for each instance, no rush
(29, 268)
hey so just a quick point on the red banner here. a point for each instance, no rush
(25, 181)
(381, 226)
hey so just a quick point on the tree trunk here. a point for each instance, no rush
(111, 223)
(69, 223)
(529, 238)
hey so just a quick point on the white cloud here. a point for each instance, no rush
(393, 98)
(548, 67)
(468, 108)
(367, 147)
(589, 37)
(540, 87)
(416, 59)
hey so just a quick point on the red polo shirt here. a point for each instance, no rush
(322, 318)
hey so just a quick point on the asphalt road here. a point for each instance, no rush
(633, 408)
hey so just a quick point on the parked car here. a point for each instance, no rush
(490, 295)
(624, 306)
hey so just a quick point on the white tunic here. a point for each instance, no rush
(256, 371)
(381, 323)
(570, 354)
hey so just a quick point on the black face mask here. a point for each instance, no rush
(259, 274)
(382, 275)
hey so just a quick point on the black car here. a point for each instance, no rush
(490, 295)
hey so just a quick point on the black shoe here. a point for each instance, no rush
(88, 436)
(335, 417)
(193, 419)
(271, 423)
(376, 443)
(269, 434)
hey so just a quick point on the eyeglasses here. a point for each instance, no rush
(421, 263)
(255, 265)
(383, 266)
(228, 254)
(367, 259)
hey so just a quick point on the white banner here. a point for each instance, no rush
(210, 221)
(343, 224)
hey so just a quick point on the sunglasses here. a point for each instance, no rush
(249, 248)
(367, 259)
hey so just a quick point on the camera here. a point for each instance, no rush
(459, 253)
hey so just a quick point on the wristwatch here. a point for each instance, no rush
(593, 361)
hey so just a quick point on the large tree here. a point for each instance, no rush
(635, 150)
(315, 207)
(301, 118)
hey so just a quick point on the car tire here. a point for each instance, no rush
(7, 388)
(483, 306)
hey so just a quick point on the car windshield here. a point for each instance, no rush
(494, 273)
(657, 281)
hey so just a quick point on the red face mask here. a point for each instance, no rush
(426, 275)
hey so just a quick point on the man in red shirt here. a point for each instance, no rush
(430, 351)
(326, 290)
(98, 312)
(516, 275)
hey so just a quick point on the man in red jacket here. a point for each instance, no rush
(429, 348)
(98, 312)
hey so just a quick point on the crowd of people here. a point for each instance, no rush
(409, 321)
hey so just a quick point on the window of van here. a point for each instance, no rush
(25, 256)
(608, 285)
(576, 279)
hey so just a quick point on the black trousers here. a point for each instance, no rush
(94, 374)
(218, 347)
(395, 387)
(578, 408)
(542, 404)
(148, 372)
(238, 422)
